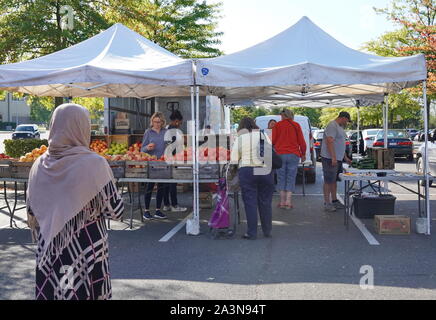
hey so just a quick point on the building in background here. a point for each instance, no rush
(14, 109)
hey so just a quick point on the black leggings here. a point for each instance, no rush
(159, 196)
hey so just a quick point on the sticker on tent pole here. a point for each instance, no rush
(204, 71)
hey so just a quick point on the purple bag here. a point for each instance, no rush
(220, 217)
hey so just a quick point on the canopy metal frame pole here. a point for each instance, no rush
(194, 156)
(426, 164)
(196, 215)
(358, 128)
(386, 121)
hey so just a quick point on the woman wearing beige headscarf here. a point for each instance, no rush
(71, 190)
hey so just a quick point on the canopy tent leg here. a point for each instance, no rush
(196, 215)
(192, 226)
(358, 129)
(426, 164)
(385, 121)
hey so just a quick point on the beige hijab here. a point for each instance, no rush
(65, 183)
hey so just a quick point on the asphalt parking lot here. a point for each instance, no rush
(310, 256)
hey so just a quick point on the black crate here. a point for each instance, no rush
(159, 170)
(367, 208)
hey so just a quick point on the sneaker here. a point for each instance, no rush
(166, 208)
(147, 215)
(178, 209)
(338, 205)
(160, 215)
(329, 207)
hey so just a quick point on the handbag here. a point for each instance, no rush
(276, 159)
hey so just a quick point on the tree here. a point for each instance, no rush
(30, 29)
(184, 27)
(39, 112)
(417, 34)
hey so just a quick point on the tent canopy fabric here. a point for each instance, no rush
(118, 62)
(304, 59)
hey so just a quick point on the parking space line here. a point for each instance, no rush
(174, 230)
(369, 237)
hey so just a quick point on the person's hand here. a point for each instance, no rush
(349, 161)
(303, 158)
(334, 162)
(150, 146)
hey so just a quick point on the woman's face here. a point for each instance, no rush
(271, 124)
(156, 123)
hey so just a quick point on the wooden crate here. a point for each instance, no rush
(136, 169)
(5, 168)
(119, 138)
(385, 158)
(388, 224)
(20, 170)
(159, 170)
(118, 168)
(209, 171)
(182, 172)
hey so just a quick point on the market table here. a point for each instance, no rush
(351, 176)
(122, 181)
(16, 195)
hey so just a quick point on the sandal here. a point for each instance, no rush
(289, 207)
(281, 206)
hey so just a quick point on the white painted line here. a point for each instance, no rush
(173, 231)
(369, 237)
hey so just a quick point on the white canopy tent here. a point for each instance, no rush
(115, 63)
(118, 62)
(305, 66)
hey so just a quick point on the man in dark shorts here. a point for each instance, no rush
(332, 155)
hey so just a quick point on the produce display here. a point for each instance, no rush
(35, 154)
(214, 154)
(4, 157)
(117, 149)
(365, 163)
(99, 146)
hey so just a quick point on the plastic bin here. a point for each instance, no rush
(368, 207)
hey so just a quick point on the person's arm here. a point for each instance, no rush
(330, 142)
(145, 141)
(301, 142)
(347, 160)
(235, 152)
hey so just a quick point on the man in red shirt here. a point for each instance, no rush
(289, 143)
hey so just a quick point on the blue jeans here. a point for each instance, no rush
(287, 174)
(257, 192)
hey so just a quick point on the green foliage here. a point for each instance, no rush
(238, 113)
(313, 114)
(39, 111)
(18, 148)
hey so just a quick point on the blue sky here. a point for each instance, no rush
(247, 22)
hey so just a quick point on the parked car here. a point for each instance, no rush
(412, 133)
(431, 160)
(310, 170)
(318, 136)
(317, 139)
(368, 137)
(26, 131)
(399, 140)
(421, 137)
(353, 141)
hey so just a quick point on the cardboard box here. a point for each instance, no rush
(392, 224)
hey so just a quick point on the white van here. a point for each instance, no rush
(304, 122)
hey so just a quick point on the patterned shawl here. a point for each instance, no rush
(65, 183)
